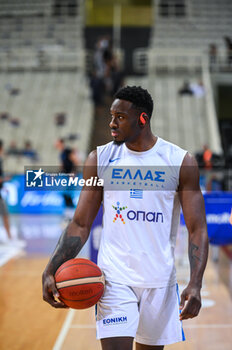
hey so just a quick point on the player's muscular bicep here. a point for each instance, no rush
(190, 194)
(90, 197)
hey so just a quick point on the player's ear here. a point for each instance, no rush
(143, 118)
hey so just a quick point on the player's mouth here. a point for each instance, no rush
(114, 133)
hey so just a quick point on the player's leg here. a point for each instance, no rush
(117, 343)
(159, 323)
(117, 317)
(148, 347)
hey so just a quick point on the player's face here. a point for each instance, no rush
(124, 121)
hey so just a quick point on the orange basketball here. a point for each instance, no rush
(80, 283)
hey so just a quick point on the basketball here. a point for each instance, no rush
(80, 283)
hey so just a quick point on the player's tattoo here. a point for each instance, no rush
(193, 258)
(67, 248)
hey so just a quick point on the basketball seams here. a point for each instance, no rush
(82, 284)
(100, 279)
(82, 300)
(76, 264)
(80, 278)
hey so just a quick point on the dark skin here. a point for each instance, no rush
(126, 127)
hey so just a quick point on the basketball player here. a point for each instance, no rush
(139, 228)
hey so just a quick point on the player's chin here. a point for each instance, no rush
(118, 138)
(118, 141)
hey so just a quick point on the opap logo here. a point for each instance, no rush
(118, 214)
(139, 215)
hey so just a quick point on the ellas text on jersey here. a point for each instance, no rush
(138, 174)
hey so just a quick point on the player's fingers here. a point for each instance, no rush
(50, 285)
(55, 291)
(49, 291)
(191, 309)
(50, 299)
(185, 316)
(182, 300)
(59, 305)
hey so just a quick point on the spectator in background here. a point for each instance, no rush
(68, 157)
(28, 151)
(98, 89)
(3, 207)
(228, 43)
(113, 75)
(60, 119)
(102, 49)
(198, 89)
(13, 149)
(207, 157)
(212, 56)
(106, 77)
(193, 89)
(69, 162)
(4, 116)
(14, 121)
(185, 89)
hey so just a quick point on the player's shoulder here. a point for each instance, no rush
(106, 147)
(101, 152)
(173, 153)
(164, 144)
(109, 151)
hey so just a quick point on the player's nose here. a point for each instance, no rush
(113, 124)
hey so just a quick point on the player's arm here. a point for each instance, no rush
(192, 203)
(76, 233)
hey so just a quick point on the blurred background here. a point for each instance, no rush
(61, 61)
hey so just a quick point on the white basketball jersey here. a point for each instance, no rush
(141, 212)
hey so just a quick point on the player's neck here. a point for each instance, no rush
(142, 143)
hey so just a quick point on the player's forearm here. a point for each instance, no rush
(198, 254)
(69, 245)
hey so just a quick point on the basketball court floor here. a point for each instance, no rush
(28, 323)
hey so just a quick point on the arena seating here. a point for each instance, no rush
(42, 58)
(178, 119)
(41, 96)
(204, 22)
(178, 52)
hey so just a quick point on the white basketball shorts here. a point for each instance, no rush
(150, 315)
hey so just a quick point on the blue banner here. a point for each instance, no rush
(20, 201)
(218, 207)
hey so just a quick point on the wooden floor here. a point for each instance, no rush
(28, 323)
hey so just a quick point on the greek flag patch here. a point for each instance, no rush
(134, 193)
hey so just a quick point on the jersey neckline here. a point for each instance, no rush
(143, 153)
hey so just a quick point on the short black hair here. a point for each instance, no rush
(1, 144)
(140, 98)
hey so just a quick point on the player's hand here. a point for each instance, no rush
(192, 307)
(50, 292)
